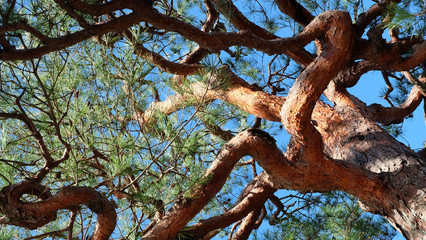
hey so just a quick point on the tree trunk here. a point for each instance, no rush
(352, 137)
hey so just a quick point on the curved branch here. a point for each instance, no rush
(255, 194)
(59, 43)
(212, 16)
(37, 214)
(392, 115)
(284, 174)
(223, 40)
(297, 110)
(389, 59)
(231, 12)
(350, 75)
(417, 56)
(214, 42)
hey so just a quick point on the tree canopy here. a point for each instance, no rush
(155, 119)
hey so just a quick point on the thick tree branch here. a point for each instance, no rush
(367, 17)
(285, 174)
(230, 11)
(255, 194)
(36, 214)
(366, 144)
(337, 44)
(212, 41)
(221, 41)
(389, 59)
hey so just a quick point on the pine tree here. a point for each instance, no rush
(130, 119)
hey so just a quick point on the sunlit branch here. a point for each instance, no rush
(247, 225)
(254, 195)
(297, 109)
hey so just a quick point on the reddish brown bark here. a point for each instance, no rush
(252, 197)
(33, 215)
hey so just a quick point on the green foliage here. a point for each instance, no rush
(7, 233)
(333, 215)
(409, 16)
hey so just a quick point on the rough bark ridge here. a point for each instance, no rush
(337, 147)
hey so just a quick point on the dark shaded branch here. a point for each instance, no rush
(389, 59)
(59, 43)
(295, 10)
(223, 40)
(72, 13)
(164, 64)
(212, 41)
(231, 12)
(25, 27)
(105, 7)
